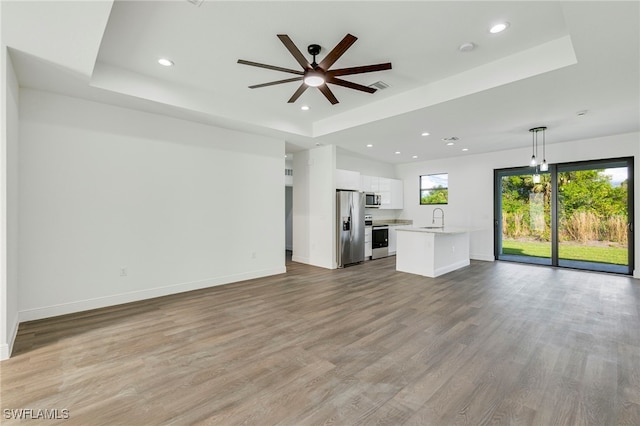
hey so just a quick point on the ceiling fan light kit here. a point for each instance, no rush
(319, 74)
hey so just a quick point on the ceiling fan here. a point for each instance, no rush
(318, 75)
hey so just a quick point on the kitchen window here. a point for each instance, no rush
(434, 189)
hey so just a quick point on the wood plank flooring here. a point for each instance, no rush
(493, 343)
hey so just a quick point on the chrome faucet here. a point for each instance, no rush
(433, 217)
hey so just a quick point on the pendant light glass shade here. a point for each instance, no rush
(536, 178)
(544, 166)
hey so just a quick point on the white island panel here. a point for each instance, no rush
(431, 252)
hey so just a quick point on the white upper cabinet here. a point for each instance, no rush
(391, 190)
(397, 194)
(347, 179)
(369, 183)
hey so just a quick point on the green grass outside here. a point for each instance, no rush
(613, 255)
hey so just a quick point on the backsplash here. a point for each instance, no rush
(382, 214)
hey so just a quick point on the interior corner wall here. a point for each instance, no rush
(9, 202)
(314, 235)
(471, 185)
(118, 205)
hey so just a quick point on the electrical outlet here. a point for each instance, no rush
(123, 272)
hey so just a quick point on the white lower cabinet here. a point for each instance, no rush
(368, 248)
(392, 239)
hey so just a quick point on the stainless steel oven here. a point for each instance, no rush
(380, 241)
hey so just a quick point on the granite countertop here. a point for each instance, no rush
(392, 222)
(444, 230)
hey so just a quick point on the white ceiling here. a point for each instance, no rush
(555, 59)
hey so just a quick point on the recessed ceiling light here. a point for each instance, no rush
(425, 133)
(466, 47)
(369, 145)
(304, 107)
(165, 62)
(450, 143)
(498, 28)
(465, 149)
(397, 152)
(414, 156)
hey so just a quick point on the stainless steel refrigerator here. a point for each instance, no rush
(350, 221)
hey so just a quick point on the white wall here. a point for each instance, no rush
(314, 207)
(348, 161)
(174, 202)
(8, 204)
(471, 184)
(288, 217)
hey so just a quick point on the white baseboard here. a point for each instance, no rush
(307, 261)
(299, 259)
(483, 257)
(4, 351)
(451, 267)
(118, 299)
(7, 348)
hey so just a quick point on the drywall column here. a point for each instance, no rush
(314, 201)
(8, 204)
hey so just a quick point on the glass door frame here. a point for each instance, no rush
(498, 174)
(553, 171)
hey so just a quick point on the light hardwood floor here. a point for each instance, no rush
(493, 343)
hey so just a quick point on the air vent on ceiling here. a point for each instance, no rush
(379, 85)
(196, 2)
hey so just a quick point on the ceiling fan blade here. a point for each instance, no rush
(269, 67)
(337, 51)
(351, 85)
(328, 94)
(360, 70)
(297, 93)
(272, 83)
(288, 43)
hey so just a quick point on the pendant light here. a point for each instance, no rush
(544, 166)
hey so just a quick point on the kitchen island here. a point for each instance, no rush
(431, 251)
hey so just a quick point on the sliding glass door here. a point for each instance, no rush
(523, 225)
(593, 216)
(576, 215)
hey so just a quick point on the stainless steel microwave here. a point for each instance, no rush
(372, 200)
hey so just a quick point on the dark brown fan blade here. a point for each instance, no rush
(337, 51)
(351, 85)
(297, 93)
(328, 94)
(288, 43)
(272, 83)
(269, 67)
(360, 70)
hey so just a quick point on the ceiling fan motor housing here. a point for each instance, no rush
(313, 49)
